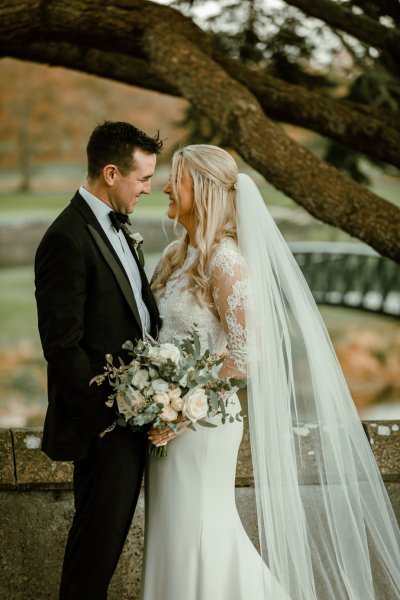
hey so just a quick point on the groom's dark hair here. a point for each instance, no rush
(113, 142)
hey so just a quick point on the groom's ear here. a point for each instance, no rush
(109, 174)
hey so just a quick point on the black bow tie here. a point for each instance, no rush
(118, 219)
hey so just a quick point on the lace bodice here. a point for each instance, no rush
(223, 317)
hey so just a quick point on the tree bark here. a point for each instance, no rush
(156, 35)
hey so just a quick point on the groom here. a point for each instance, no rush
(92, 295)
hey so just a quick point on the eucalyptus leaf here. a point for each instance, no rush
(128, 345)
(188, 347)
(209, 342)
(197, 347)
(204, 423)
(222, 408)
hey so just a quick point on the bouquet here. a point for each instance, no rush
(164, 382)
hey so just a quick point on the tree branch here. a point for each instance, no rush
(159, 38)
(360, 127)
(361, 27)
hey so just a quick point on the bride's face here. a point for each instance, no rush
(183, 206)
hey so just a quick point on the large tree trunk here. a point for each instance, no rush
(169, 44)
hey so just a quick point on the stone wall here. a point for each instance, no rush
(36, 508)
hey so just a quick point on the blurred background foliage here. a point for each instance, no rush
(277, 38)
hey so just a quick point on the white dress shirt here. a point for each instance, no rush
(119, 243)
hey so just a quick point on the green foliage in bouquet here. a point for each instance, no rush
(165, 381)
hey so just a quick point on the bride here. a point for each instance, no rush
(232, 275)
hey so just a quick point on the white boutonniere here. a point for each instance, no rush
(136, 239)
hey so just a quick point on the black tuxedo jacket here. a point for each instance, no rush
(86, 309)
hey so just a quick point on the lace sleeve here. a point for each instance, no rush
(229, 288)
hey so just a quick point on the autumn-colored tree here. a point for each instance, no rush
(50, 113)
(153, 46)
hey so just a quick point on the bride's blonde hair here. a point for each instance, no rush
(214, 177)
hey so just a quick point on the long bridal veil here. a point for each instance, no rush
(327, 529)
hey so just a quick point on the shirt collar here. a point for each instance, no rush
(100, 209)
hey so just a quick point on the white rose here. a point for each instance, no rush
(164, 352)
(161, 398)
(171, 352)
(195, 404)
(136, 398)
(140, 378)
(168, 414)
(183, 381)
(160, 385)
(154, 354)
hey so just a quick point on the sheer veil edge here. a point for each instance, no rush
(326, 526)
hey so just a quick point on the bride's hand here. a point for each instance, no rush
(160, 437)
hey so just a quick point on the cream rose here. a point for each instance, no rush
(161, 398)
(175, 397)
(168, 414)
(195, 405)
(174, 393)
(177, 403)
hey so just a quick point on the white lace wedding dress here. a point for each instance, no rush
(195, 545)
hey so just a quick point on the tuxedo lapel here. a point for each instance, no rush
(147, 294)
(79, 203)
(111, 257)
(107, 251)
(118, 271)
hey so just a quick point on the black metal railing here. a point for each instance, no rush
(350, 275)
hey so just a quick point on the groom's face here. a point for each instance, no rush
(126, 189)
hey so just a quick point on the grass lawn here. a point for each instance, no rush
(17, 306)
(18, 320)
(14, 205)
(18, 309)
(31, 205)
